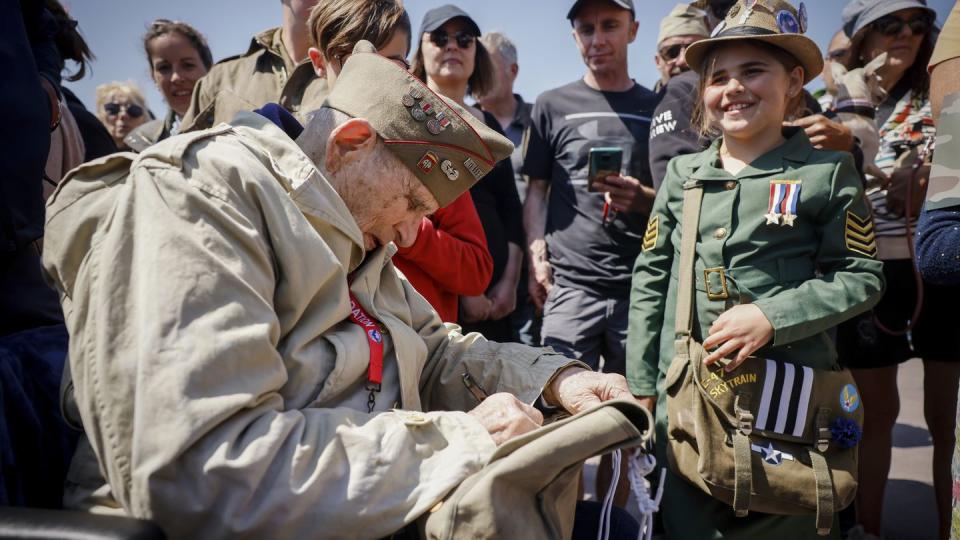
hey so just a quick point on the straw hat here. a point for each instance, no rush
(772, 21)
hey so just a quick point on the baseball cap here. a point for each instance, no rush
(625, 4)
(858, 14)
(446, 147)
(437, 17)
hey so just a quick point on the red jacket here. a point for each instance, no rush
(449, 258)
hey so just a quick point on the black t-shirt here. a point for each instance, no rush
(567, 122)
(498, 205)
(671, 134)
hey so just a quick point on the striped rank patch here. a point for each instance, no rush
(653, 233)
(785, 399)
(860, 235)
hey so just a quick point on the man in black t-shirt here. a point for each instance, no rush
(582, 256)
(581, 250)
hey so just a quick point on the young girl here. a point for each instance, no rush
(785, 248)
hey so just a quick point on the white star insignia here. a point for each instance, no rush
(772, 455)
(788, 219)
(772, 219)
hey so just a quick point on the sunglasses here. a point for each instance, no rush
(838, 54)
(672, 52)
(133, 110)
(440, 38)
(891, 25)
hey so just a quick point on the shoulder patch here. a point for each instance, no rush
(859, 235)
(653, 233)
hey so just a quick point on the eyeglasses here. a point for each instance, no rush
(440, 38)
(838, 54)
(891, 25)
(672, 52)
(133, 110)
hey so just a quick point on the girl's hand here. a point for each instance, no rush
(742, 327)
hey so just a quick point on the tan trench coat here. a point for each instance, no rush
(264, 74)
(212, 354)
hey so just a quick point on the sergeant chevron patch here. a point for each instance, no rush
(860, 235)
(653, 233)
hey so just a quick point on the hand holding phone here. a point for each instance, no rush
(603, 162)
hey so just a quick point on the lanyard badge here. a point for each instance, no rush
(371, 329)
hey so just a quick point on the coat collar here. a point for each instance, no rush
(795, 150)
(296, 172)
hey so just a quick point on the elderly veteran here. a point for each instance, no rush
(247, 361)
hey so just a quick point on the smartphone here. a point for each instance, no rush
(603, 162)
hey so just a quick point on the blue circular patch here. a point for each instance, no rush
(802, 15)
(849, 398)
(787, 22)
(375, 336)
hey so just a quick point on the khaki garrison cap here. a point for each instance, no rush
(683, 20)
(444, 145)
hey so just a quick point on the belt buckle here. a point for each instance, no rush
(724, 293)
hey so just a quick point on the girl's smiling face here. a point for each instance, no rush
(746, 90)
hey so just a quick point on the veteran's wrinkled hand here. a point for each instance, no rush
(505, 417)
(577, 389)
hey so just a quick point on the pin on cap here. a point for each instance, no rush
(427, 162)
(433, 126)
(719, 28)
(416, 93)
(447, 167)
(427, 107)
(787, 22)
(444, 122)
(408, 100)
(474, 169)
(802, 15)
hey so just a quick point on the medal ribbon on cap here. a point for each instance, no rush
(371, 329)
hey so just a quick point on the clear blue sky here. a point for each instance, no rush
(548, 56)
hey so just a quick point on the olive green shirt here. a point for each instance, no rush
(264, 74)
(806, 273)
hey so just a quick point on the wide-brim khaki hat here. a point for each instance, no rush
(775, 22)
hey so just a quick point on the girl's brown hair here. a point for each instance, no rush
(481, 80)
(161, 27)
(337, 25)
(796, 106)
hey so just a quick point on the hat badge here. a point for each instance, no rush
(787, 23)
(802, 16)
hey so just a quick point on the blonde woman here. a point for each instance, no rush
(121, 107)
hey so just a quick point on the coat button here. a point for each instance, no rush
(730, 185)
(720, 233)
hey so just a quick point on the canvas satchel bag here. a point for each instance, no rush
(528, 489)
(769, 436)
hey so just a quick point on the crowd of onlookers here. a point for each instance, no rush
(532, 253)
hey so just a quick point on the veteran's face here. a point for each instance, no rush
(386, 199)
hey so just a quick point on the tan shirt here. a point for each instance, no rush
(264, 74)
(215, 367)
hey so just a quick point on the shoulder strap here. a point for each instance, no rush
(692, 197)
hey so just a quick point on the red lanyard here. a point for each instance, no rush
(371, 329)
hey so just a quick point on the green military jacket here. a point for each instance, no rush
(264, 74)
(792, 233)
